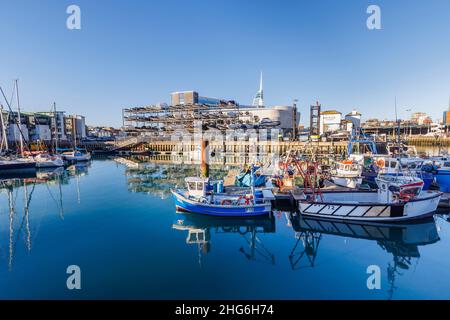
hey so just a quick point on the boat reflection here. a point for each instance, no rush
(159, 179)
(18, 195)
(199, 230)
(402, 241)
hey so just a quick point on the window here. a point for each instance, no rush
(200, 186)
(191, 185)
(181, 97)
(393, 164)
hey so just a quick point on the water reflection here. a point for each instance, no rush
(158, 179)
(199, 229)
(402, 241)
(18, 195)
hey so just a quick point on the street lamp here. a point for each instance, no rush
(409, 121)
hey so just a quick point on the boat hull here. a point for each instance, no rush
(443, 180)
(17, 166)
(188, 205)
(371, 211)
(349, 182)
(78, 158)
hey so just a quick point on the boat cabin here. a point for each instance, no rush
(348, 166)
(197, 187)
(392, 189)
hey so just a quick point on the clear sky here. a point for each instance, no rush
(132, 53)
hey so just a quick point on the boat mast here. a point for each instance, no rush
(4, 138)
(10, 109)
(56, 127)
(19, 118)
(74, 130)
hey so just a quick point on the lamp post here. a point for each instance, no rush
(409, 121)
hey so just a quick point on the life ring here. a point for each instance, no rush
(279, 182)
(247, 200)
(380, 162)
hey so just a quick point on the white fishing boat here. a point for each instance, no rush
(398, 198)
(45, 160)
(347, 174)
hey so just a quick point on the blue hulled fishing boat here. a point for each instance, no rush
(200, 197)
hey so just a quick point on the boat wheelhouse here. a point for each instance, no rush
(443, 177)
(347, 174)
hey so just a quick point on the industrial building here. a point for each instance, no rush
(188, 108)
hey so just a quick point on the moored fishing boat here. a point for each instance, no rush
(398, 198)
(347, 174)
(199, 197)
(397, 167)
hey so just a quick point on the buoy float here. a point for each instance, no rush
(380, 162)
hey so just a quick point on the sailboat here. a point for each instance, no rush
(45, 159)
(10, 165)
(77, 154)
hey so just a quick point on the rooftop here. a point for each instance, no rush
(331, 112)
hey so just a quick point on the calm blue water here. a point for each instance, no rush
(119, 226)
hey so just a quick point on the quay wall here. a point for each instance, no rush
(426, 141)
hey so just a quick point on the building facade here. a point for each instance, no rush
(355, 118)
(43, 126)
(192, 97)
(330, 121)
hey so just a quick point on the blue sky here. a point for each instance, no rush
(131, 53)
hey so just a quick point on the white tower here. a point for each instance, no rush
(258, 101)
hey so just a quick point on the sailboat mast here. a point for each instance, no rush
(56, 127)
(19, 118)
(4, 138)
(74, 130)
